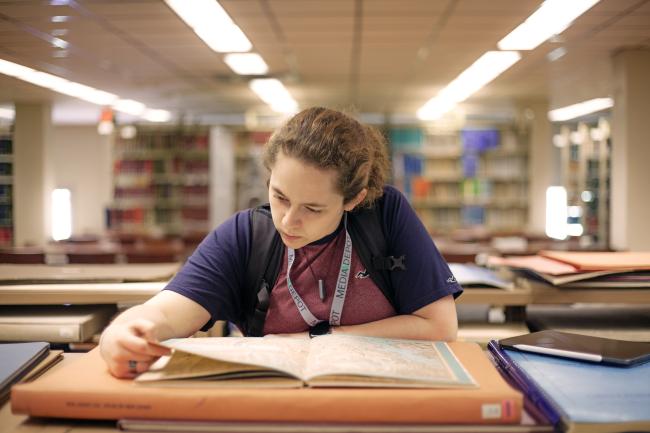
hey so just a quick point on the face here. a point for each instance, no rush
(304, 203)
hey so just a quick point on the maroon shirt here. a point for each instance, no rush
(364, 301)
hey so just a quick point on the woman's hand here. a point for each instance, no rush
(127, 347)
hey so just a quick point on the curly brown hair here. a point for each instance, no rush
(330, 139)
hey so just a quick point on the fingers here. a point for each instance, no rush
(135, 344)
(127, 349)
(143, 328)
(129, 369)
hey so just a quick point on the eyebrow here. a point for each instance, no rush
(319, 205)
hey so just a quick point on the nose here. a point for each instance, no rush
(291, 219)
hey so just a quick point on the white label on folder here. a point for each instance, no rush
(491, 411)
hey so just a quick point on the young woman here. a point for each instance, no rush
(324, 168)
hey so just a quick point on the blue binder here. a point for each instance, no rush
(578, 396)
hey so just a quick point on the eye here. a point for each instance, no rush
(280, 198)
(314, 210)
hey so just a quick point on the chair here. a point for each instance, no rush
(99, 257)
(152, 254)
(22, 256)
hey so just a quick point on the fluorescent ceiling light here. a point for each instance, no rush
(489, 66)
(86, 93)
(156, 115)
(129, 106)
(42, 79)
(556, 54)
(212, 24)
(59, 43)
(552, 18)
(13, 69)
(580, 109)
(81, 91)
(246, 63)
(273, 92)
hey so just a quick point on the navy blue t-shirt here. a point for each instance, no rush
(214, 274)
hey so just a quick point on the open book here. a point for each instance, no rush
(325, 361)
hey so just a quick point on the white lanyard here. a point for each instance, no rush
(341, 285)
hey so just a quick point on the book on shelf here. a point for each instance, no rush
(469, 275)
(85, 389)
(578, 396)
(53, 323)
(327, 361)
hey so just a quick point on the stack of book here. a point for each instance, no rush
(569, 269)
(331, 383)
(586, 292)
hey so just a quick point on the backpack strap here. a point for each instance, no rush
(369, 240)
(263, 267)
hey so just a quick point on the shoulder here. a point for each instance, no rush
(231, 236)
(395, 208)
(392, 197)
(239, 224)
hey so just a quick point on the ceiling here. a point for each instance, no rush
(371, 56)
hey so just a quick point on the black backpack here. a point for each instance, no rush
(267, 251)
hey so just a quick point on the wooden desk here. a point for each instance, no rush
(82, 284)
(86, 273)
(546, 294)
(79, 293)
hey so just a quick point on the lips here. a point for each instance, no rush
(288, 236)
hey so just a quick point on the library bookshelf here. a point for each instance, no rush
(161, 182)
(464, 178)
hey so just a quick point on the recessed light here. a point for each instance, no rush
(556, 54)
(59, 43)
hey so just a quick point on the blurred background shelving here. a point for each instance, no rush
(463, 178)
(6, 186)
(161, 182)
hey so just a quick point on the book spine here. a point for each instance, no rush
(291, 406)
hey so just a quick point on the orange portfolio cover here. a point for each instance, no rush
(602, 261)
(85, 389)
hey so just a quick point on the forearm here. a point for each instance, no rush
(171, 314)
(436, 321)
(404, 326)
(163, 329)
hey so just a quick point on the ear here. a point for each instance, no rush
(356, 200)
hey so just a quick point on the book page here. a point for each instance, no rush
(405, 361)
(284, 354)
